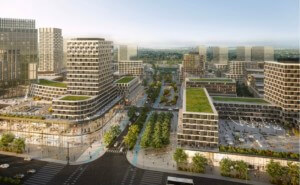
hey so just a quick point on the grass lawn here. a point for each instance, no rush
(239, 99)
(75, 98)
(125, 80)
(51, 83)
(197, 101)
(227, 80)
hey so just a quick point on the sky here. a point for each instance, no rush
(167, 23)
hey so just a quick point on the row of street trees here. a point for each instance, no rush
(157, 131)
(134, 130)
(153, 91)
(112, 134)
(284, 174)
(10, 143)
(198, 165)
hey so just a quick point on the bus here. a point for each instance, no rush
(179, 181)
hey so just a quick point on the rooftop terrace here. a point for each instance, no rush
(197, 101)
(240, 99)
(75, 98)
(221, 80)
(125, 79)
(52, 83)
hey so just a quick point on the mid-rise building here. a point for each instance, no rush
(131, 68)
(50, 50)
(262, 53)
(197, 121)
(128, 86)
(282, 87)
(127, 52)
(220, 55)
(18, 40)
(255, 83)
(214, 86)
(193, 65)
(237, 69)
(243, 53)
(90, 84)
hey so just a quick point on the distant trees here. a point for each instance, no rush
(157, 131)
(283, 174)
(9, 143)
(112, 134)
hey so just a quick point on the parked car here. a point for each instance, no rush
(31, 171)
(4, 165)
(27, 158)
(19, 176)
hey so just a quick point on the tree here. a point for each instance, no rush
(241, 169)
(180, 156)
(116, 130)
(18, 145)
(225, 165)
(108, 137)
(112, 134)
(131, 112)
(294, 172)
(157, 142)
(6, 139)
(131, 137)
(199, 163)
(275, 170)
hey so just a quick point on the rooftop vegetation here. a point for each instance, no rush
(227, 80)
(75, 98)
(125, 79)
(52, 83)
(239, 99)
(197, 101)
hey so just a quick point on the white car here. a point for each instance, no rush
(19, 176)
(116, 144)
(4, 165)
(31, 171)
(27, 158)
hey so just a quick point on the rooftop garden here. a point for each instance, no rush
(52, 83)
(125, 80)
(197, 101)
(239, 99)
(227, 80)
(75, 98)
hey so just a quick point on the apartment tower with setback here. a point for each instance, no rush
(220, 55)
(50, 50)
(90, 84)
(243, 53)
(18, 51)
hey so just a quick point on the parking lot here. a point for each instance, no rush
(18, 165)
(259, 135)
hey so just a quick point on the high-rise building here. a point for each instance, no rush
(202, 51)
(126, 52)
(237, 69)
(220, 55)
(193, 65)
(19, 36)
(9, 66)
(50, 50)
(262, 53)
(90, 84)
(131, 68)
(243, 53)
(282, 86)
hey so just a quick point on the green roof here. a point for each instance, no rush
(75, 98)
(51, 83)
(197, 101)
(125, 80)
(239, 99)
(227, 80)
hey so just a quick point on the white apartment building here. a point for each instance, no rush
(131, 68)
(50, 50)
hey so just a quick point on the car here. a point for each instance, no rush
(170, 109)
(27, 158)
(31, 171)
(19, 176)
(116, 144)
(4, 165)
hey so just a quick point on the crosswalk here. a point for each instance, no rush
(129, 176)
(45, 174)
(115, 151)
(152, 178)
(72, 179)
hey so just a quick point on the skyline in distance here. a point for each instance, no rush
(168, 23)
